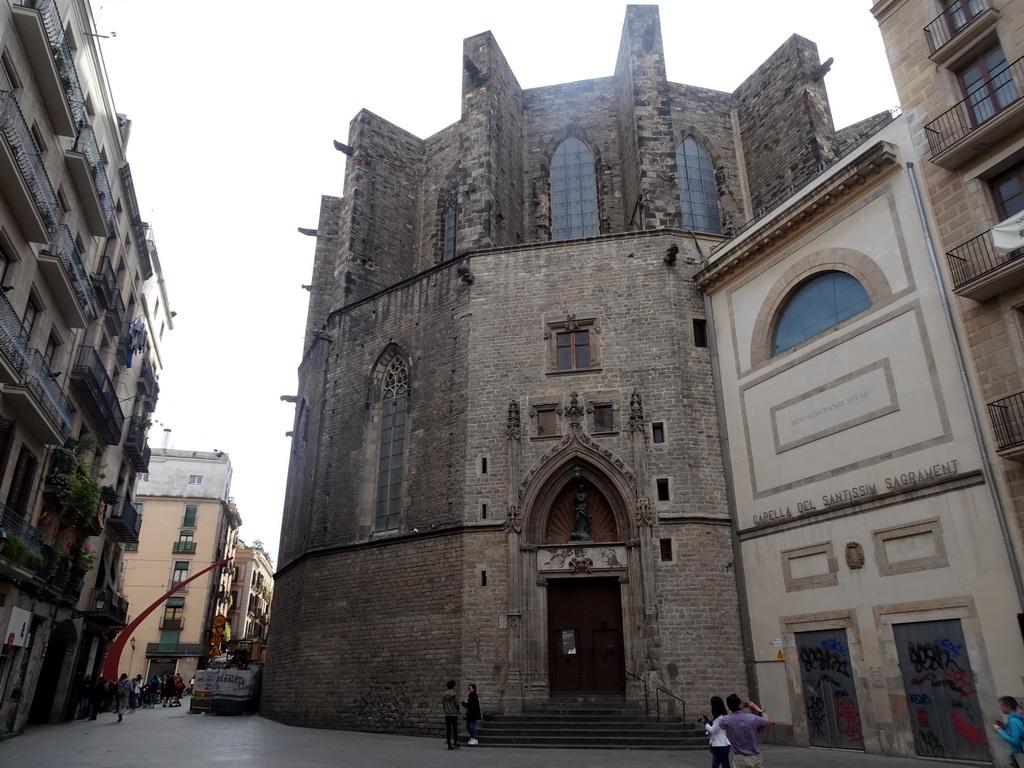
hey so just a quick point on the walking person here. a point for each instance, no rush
(719, 741)
(472, 705)
(121, 693)
(98, 697)
(1012, 731)
(167, 690)
(743, 728)
(450, 703)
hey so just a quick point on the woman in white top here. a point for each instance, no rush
(713, 727)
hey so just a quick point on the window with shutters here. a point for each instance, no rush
(20, 492)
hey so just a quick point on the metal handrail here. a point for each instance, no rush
(30, 162)
(13, 335)
(977, 257)
(647, 706)
(14, 524)
(1007, 415)
(40, 382)
(658, 690)
(62, 55)
(966, 116)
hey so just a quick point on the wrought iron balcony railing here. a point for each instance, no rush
(86, 144)
(13, 336)
(183, 548)
(977, 257)
(40, 382)
(135, 446)
(62, 55)
(63, 245)
(14, 525)
(26, 155)
(1003, 88)
(114, 317)
(108, 607)
(1007, 417)
(104, 283)
(953, 20)
(125, 521)
(100, 399)
(171, 623)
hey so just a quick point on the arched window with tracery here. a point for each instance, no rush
(816, 305)
(394, 396)
(573, 191)
(698, 191)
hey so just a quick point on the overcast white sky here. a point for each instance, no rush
(234, 108)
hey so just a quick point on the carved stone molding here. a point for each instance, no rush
(513, 523)
(574, 413)
(632, 543)
(636, 412)
(643, 512)
(623, 579)
(513, 621)
(527, 547)
(576, 435)
(854, 556)
(514, 429)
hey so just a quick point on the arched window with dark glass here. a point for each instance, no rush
(573, 191)
(394, 403)
(698, 191)
(822, 302)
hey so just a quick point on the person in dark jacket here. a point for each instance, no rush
(99, 698)
(472, 705)
(450, 705)
(167, 690)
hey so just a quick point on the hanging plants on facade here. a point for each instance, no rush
(78, 495)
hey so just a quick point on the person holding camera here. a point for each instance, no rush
(743, 728)
(719, 742)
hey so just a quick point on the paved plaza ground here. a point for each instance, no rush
(162, 738)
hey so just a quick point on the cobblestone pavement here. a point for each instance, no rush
(162, 738)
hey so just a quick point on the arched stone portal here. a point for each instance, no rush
(577, 607)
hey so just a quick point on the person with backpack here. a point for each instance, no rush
(1012, 731)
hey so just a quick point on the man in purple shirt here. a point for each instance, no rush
(742, 729)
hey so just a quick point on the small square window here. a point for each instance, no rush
(604, 418)
(131, 546)
(195, 479)
(700, 333)
(662, 483)
(572, 345)
(547, 422)
(658, 432)
(573, 348)
(144, 477)
(666, 550)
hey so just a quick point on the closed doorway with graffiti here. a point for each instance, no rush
(830, 696)
(941, 695)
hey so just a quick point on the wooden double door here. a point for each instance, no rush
(585, 646)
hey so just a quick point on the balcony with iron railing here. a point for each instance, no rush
(53, 63)
(40, 404)
(980, 271)
(991, 112)
(135, 446)
(104, 283)
(89, 174)
(13, 343)
(108, 608)
(27, 187)
(1007, 416)
(97, 394)
(177, 649)
(61, 264)
(14, 526)
(183, 548)
(166, 623)
(125, 522)
(958, 28)
(113, 319)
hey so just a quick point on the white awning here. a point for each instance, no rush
(1009, 235)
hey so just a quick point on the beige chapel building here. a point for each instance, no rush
(191, 523)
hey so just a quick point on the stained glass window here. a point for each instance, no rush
(394, 401)
(573, 191)
(698, 191)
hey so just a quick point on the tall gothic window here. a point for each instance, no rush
(573, 191)
(698, 192)
(451, 221)
(394, 402)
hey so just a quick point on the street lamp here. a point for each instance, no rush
(132, 657)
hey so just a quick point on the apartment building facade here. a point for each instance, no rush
(83, 308)
(252, 591)
(191, 523)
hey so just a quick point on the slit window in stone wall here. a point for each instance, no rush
(698, 191)
(820, 303)
(450, 224)
(394, 402)
(573, 191)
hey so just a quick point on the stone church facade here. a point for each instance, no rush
(506, 460)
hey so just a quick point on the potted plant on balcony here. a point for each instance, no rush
(78, 495)
(16, 550)
(82, 557)
(108, 495)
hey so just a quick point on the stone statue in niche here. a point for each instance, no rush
(581, 524)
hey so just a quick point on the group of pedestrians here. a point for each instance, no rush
(451, 705)
(735, 732)
(125, 694)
